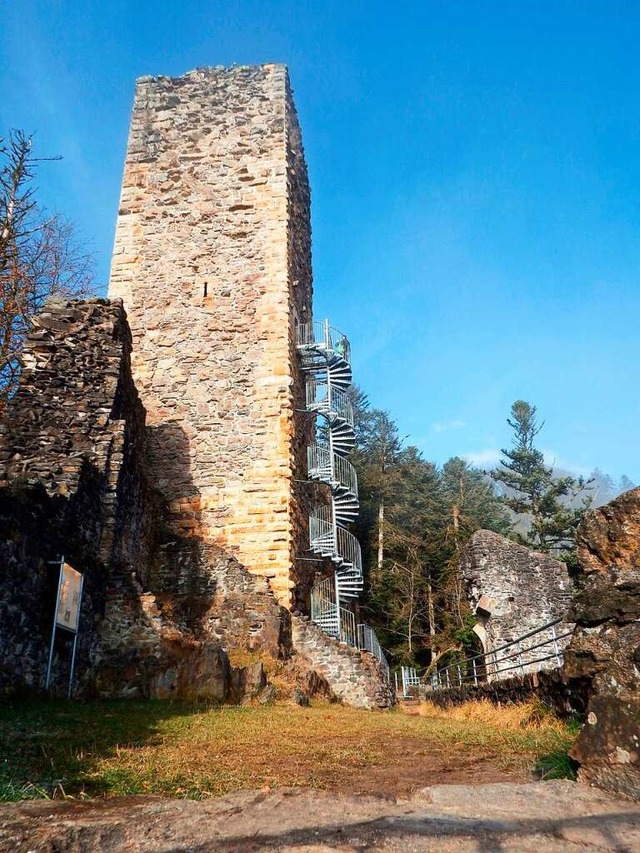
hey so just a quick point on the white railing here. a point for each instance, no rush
(348, 632)
(324, 465)
(322, 532)
(323, 397)
(319, 462)
(525, 654)
(339, 622)
(330, 539)
(321, 335)
(368, 641)
(323, 606)
(349, 548)
(408, 684)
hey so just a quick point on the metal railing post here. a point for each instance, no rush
(495, 664)
(475, 672)
(459, 675)
(520, 660)
(556, 647)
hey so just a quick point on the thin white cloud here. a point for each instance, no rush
(483, 458)
(490, 457)
(448, 425)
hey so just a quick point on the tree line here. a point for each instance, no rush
(417, 516)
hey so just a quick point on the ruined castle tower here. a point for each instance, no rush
(212, 259)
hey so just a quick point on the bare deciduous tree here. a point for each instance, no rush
(39, 256)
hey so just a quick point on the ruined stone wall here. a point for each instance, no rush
(354, 676)
(71, 482)
(159, 609)
(212, 260)
(513, 590)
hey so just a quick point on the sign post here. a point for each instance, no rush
(67, 614)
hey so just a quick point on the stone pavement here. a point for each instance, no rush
(540, 816)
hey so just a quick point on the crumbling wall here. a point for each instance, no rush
(158, 608)
(604, 655)
(513, 590)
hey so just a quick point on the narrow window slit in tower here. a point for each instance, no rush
(206, 284)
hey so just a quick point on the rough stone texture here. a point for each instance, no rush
(354, 676)
(552, 816)
(513, 590)
(71, 480)
(604, 655)
(158, 607)
(212, 259)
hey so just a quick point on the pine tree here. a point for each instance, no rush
(530, 489)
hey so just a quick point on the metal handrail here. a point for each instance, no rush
(331, 468)
(349, 549)
(348, 632)
(319, 334)
(491, 663)
(322, 397)
(368, 641)
(323, 606)
(330, 537)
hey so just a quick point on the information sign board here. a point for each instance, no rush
(68, 607)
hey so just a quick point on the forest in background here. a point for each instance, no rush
(416, 516)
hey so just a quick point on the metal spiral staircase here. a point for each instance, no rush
(325, 356)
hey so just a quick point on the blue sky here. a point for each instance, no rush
(475, 172)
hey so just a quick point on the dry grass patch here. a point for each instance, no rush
(115, 748)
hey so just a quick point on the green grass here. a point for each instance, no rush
(52, 749)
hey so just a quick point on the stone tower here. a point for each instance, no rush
(212, 259)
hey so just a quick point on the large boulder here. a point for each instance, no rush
(604, 654)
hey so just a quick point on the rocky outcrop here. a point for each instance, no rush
(604, 655)
(513, 590)
(356, 677)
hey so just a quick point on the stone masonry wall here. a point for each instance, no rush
(159, 609)
(513, 590)
(355, 676)
(212, 260)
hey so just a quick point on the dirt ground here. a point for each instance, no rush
(411, 764)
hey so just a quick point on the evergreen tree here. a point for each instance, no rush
(533, 491)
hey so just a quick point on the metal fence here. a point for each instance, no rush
(407, 682)
(527, 653)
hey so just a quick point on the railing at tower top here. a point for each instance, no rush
(321, 335)
(322, 397)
